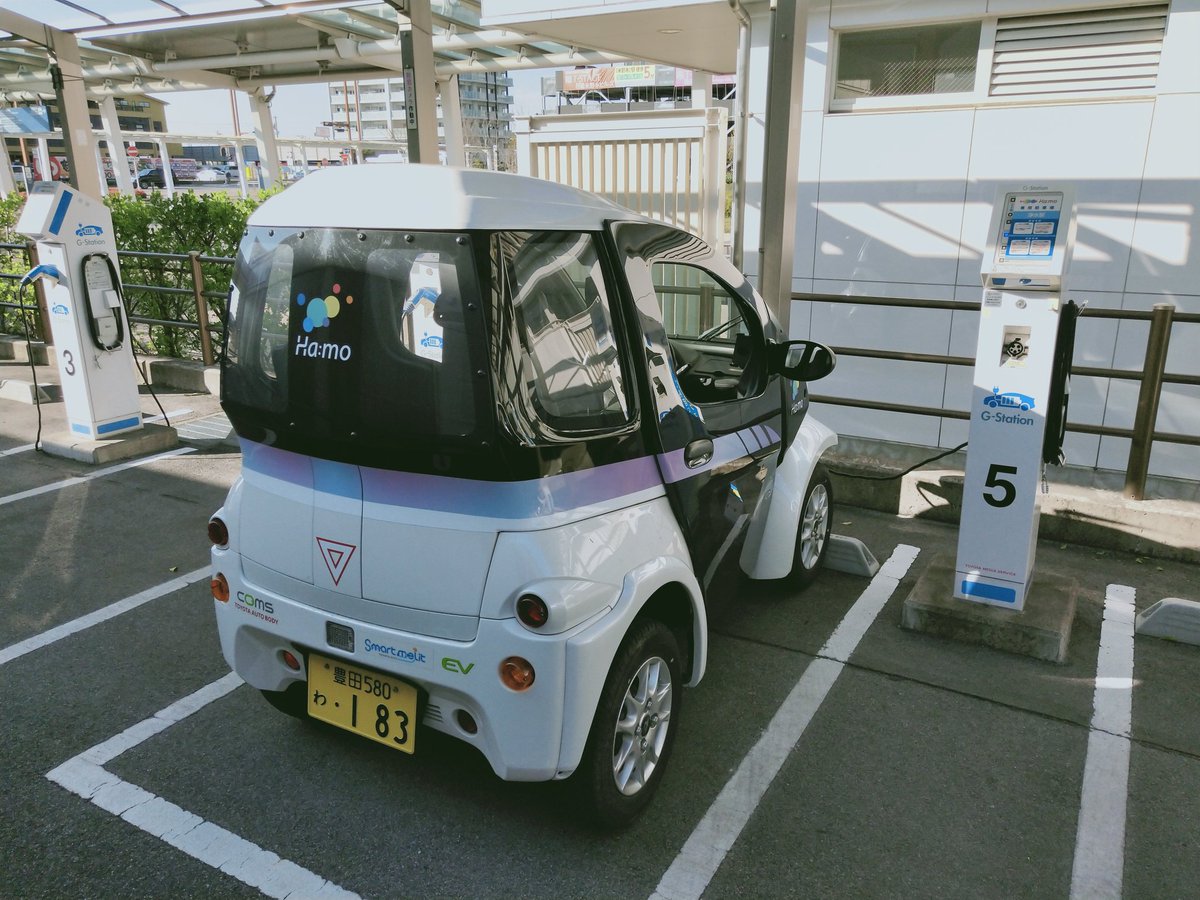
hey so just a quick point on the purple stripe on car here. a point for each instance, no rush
(497, 499)
(282, 464)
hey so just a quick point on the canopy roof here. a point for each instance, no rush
(138, 46)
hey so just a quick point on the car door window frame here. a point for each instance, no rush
(747, 314)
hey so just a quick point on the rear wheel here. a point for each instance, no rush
(812, 537)
(634, 727)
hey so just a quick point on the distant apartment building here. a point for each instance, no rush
(374, 111)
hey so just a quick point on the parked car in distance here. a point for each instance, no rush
(151, 176)
(212, 175)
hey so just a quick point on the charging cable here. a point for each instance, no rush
(37, 400)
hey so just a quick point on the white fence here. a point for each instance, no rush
(666, 164)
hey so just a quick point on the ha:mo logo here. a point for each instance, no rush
(306, 346)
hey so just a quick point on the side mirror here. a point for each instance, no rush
(802, 360)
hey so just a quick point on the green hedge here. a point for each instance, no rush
(12, 262)
(212, 223)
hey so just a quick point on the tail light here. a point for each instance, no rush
(516, 673)
(532, 611)
(218, 532)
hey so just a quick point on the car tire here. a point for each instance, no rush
(634, 728)
(293, 701)
(812, 535)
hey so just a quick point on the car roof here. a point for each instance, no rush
(434, 198)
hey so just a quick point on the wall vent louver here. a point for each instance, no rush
(1095, 52)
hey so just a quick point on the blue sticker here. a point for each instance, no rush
(1008, 400)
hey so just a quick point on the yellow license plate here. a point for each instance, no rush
(364, 701)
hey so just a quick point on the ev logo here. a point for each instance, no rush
(457, 665)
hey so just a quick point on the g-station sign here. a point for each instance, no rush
(1029, 241)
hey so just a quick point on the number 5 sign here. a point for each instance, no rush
(998, 532)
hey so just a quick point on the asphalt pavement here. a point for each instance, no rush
(919, 768)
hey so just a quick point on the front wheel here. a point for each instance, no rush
(812, 537)
(634, 727)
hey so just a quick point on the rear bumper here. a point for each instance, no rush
(520, 734)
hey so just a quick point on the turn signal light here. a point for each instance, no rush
(218, 533)
(532, 611)
(516, 673)
(220, 587)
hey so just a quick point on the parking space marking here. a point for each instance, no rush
(161, 417)
(8, 654)
(12, 451)
(714, 836)
(1099, 867)
(80, 479)
(200, 839)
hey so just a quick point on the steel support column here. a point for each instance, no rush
(116, 145)
(781, 155)
(456, 154)
(420, 101)
(264, 136)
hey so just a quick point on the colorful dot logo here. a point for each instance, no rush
(319, 310)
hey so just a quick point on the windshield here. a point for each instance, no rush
(365, 337)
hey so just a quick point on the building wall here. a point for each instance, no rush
(895, 201)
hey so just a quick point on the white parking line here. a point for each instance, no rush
(12, 451)
(174, 412)
(8, 654)
(213, 845)
(1099, 866)
(702, 854)
(100, 473)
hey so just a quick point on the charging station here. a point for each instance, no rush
(1018, 404)
(78, 259)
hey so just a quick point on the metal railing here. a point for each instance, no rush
(194, 262)
(204, 323)
(1152, 376)
(1142, 435)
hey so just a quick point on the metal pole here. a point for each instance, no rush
(781, 156)
(206, 350)
(1148, 397)
(737, 221)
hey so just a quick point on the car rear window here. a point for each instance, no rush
(357, 335)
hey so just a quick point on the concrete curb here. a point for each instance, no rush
(24, 391)
(1041, 630)
(183, 374)
(1075, 514)
(14, 349)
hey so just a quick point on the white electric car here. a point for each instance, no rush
(497, 436)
